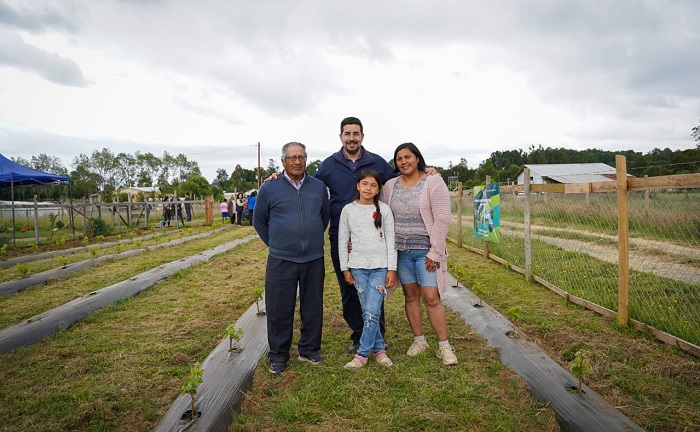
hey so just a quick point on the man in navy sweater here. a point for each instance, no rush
(338, 172)
(291, 216)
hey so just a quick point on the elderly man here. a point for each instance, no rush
(291, 216)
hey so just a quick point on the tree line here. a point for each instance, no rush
(104, 172)
(504, 166)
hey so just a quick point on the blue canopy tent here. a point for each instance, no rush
(13, 174)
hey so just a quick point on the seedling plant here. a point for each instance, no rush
(580, 368)
(234, 334)
(257, 297)
(23, 269)
(194, 379)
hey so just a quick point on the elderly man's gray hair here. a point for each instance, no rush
(290, 144)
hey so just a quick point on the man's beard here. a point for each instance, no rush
(356, 150)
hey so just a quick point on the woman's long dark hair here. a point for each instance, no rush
(372, 173)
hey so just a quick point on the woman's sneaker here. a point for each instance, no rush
(417, 348)
(355, 364)
(447, 355)
(383, 359)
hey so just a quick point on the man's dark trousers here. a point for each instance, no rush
(281, 281)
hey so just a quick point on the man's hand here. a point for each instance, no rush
(273, 176)
(348, 277)
(431, 171)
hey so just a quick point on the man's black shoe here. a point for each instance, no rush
(277, 368)
(354, 346)
(316, 358)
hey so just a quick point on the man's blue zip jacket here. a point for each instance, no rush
(292, 222)
(337, 172)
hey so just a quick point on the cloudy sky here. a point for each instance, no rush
(460, 78)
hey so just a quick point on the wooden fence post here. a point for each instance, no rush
(623, 240)
(486, 244)
(460, 193)
(209, 210)
(646, 198)
(85, 227)
(36, 220)
(526, 217)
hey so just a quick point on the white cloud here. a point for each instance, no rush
(459, 78)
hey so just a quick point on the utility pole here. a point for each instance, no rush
(259, 172)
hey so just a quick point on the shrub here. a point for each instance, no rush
(97, 226)
(23, 269)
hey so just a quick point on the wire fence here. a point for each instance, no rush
(574, 248)
(26, 223)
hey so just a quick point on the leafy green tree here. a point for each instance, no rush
(126, 170)
(312, 166)
(22, 161)
(503, 160)
(104, 164)
(49, 164)
(149, 168)
(243, 179)
(271, 168)
(223, 180)
(487, 168)
(84, 181)
(168, 167)
(197, 186)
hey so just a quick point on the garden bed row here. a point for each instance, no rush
(16, 285)
(50, 322)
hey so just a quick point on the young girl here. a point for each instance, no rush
(371, 265)
(224, 210)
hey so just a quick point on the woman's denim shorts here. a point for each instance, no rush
(410, 266)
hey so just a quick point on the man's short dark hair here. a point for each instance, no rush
(351, 121)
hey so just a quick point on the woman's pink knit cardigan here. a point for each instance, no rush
(434, 205)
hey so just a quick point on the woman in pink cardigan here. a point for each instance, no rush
(422, 215)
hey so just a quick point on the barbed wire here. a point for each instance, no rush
(664, 165)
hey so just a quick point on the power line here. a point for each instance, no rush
(222, 150)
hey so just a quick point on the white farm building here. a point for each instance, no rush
(568, 173)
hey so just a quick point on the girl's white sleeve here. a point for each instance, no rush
(389, 235)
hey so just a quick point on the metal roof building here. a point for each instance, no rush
(568, 173)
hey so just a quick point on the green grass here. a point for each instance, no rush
(670, 216)
(121, 368)
(15, 308)
(41, 265)
(417, 393)
(665, 304)
(631, 369)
